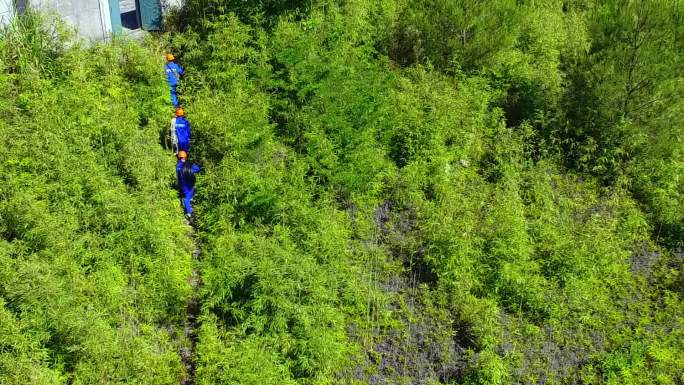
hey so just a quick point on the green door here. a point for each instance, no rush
(150, 14)
(115, 16)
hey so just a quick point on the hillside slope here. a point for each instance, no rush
(392, 192)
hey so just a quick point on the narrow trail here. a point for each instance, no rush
(191, 323)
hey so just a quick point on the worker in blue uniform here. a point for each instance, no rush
(180, 132)
(173, 75)
(185, 171)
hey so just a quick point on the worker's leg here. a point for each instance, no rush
(187, 201)
(174, 96)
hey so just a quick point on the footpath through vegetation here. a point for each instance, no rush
(393, 192)
(180, 136)
(188, 352)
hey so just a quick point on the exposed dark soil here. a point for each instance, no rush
(430, 347)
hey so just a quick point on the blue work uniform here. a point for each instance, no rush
(187, 187)
(173, 74)
(183, 133)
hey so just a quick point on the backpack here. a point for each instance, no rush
(188, 175)
(174, 137)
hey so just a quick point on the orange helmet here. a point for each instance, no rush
(182, 154)
(170, 57)
(180, 112)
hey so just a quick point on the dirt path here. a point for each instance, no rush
(191, 320)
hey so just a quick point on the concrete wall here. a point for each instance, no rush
(90, 17)
(6, 12)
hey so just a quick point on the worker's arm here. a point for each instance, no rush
(195, 168)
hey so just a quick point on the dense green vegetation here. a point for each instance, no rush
(393, 192)
(93, 257)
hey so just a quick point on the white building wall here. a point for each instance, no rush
(90, 17)
(6, 12)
